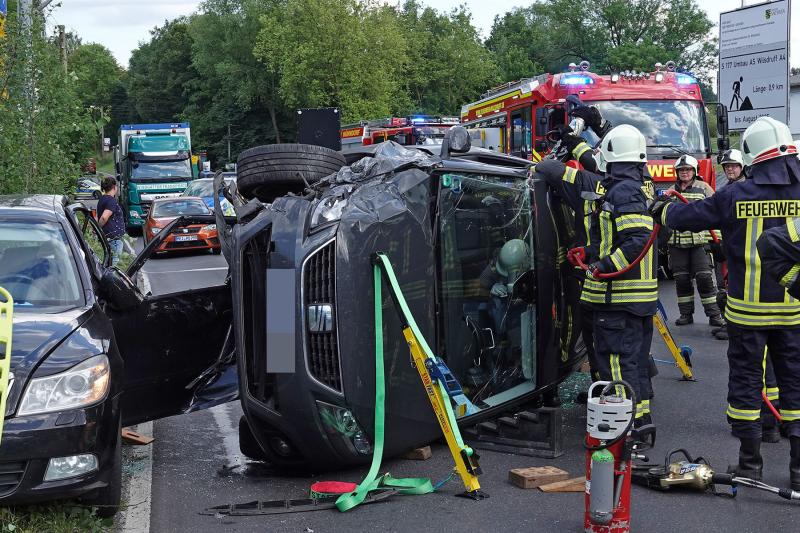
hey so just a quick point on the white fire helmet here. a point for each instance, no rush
(766, 139)
(686, 161)
(732, 157)
(623, 144)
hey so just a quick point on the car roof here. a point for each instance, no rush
(47, 205)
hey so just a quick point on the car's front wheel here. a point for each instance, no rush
(107, 499)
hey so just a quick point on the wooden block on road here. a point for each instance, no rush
(535, 476)
(576, 484)
(131, 437)
(418, 454)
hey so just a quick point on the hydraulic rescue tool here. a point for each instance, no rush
(611, 443)
(697, 473)
(6, 314)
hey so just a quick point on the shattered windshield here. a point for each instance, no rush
(486, 248)
(665, 123)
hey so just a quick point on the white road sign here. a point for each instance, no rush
(754, 63)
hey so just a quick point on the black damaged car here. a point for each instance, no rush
(91, 353)
(478, 248)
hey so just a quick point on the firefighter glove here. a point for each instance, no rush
(716, 252)
(593, 271)
(658, 206)
(591, 116)
(500, 290)
(575, 256)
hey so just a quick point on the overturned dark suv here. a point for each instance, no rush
(303, 296)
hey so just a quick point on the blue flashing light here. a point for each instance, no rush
(576, 79)
(685, 79)
(417, 120)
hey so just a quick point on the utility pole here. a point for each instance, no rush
(62, 46)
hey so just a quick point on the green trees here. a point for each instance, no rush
(44, 128)
(611, 34)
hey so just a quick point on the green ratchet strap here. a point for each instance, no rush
(6, 314)
(372, 482)
(408, 318)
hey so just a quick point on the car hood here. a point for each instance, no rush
(35, 335)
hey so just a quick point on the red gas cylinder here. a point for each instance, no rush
(608, 462)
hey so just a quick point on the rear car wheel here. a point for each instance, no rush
(96, 195)
(266, 172)
(107, 499)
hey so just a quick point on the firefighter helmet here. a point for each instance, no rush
(686, 161)
(624, 144)
(766, 139)
(513, 256)
(732, 157)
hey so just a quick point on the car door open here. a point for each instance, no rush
(178, 348)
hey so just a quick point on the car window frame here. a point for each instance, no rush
(96, 268)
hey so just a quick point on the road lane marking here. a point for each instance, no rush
(230, 435)
(137, 494)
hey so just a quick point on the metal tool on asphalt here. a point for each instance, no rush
(697, 474)
(682, 355)
(611, 443)
(6, 316)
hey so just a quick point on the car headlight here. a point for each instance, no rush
(82, 385)
(328, 210)
(155, 231)
(209, 227)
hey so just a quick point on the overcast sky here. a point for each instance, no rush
(121, 25)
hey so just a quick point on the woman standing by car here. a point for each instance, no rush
(109, 215)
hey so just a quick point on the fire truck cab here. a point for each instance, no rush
(407, 131)
(666, 106)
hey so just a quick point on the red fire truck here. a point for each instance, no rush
(416, 130)
(666, 106)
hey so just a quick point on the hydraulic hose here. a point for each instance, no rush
(645, 250)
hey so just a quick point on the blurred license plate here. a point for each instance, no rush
(184, 238)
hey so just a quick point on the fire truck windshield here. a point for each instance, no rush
(665, 123)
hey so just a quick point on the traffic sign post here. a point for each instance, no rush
(753, 79)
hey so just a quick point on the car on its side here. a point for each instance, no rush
(90, 353)
(88, 187)
(192, 237)
(204, 188)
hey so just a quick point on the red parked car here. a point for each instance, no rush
(193, 237)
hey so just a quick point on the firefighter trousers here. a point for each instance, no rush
(688, 264)
(771, 390)
(587, 331)
(619, 337)
(747, 376)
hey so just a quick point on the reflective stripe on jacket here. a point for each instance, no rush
(744, 210)
(698, 190)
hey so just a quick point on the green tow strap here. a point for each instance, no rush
(6, 314)
(372, 481)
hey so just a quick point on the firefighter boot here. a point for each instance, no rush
(684, 320)
(750, 462)
(770, 435)
(794, 463)
(716, 321)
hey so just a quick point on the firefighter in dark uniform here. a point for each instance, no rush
(760, 313)
(579, 190)
(687, 251)
(623, 307)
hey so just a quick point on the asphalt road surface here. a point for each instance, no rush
(196, 463)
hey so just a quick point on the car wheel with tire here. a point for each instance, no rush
(107, 499)
(96, 195)
(267, 172)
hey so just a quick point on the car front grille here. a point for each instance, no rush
(319, 287)
(10, 476)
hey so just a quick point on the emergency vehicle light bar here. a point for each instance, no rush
(575, 79)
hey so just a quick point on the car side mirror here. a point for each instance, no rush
(723, 140)
(119, 291)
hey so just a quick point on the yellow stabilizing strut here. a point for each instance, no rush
(465, 458)
(680, 362)
(6, 314)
